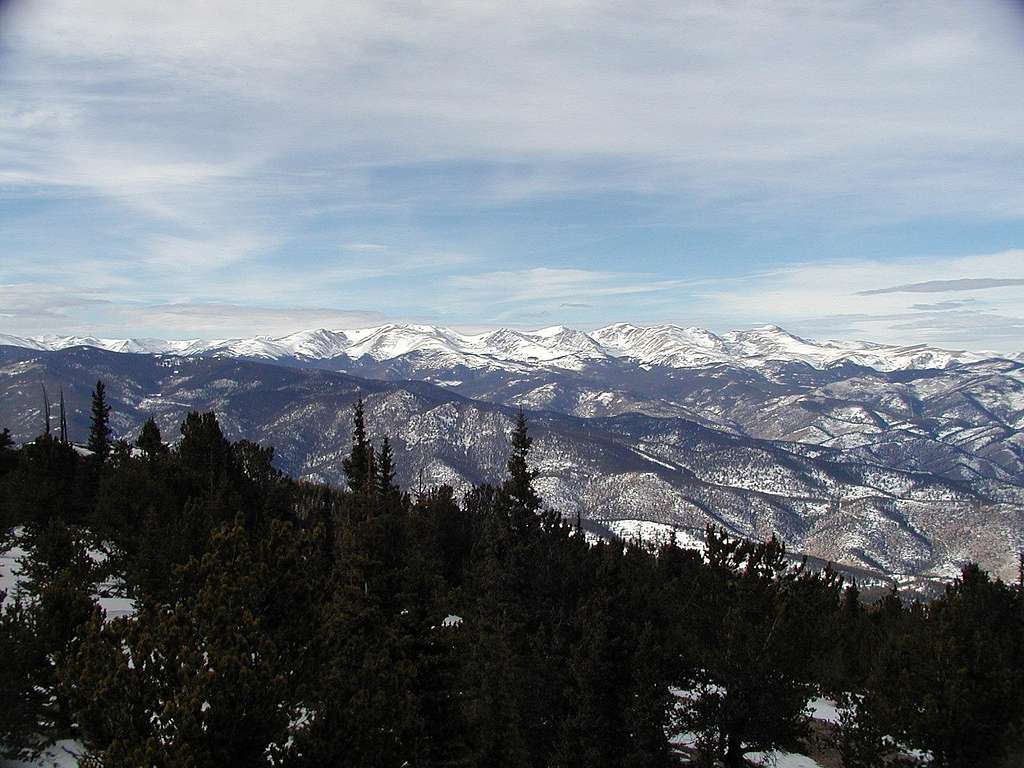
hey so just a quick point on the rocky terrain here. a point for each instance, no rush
(907, 471)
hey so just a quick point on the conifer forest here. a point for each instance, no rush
(272, 621)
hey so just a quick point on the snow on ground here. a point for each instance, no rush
(62, 754)
(777, 759)
(822, 709)
(107, 594)
(654, 533)
(8, 564)
(825, 710)
(656, 461)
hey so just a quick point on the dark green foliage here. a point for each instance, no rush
(752, 679)
(23, 669)
(203, 448)
(57, 578)
(358, 465)
(289, 623)
(384, 478)
(47, 481)
(99, 425)
(8, 463)
(951, 677)
(221, 670)
(861, 738)
(524, 502)
(150, 440)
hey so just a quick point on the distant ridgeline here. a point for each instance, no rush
(290, 623)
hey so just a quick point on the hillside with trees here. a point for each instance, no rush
(290, 623)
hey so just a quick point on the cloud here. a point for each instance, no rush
(364, 247)
(838, 299)
(549, 286)
(818, 300)
(200, 255)
(941, 305)
(220, 320)
(943, 286)
(37, 309)
(429, 159)
(539, 98)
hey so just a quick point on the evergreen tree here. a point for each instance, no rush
(150, 440)
(203, 448)
(8, 454)
(595, 733)
(291, 623)
(524, 503)
(58, 579)
(356, 465)
(22, 679)
(385, 470)
(63, 419)
(647, 712)
(968, 686)
(46, 412)
(206, 457)
(860, 738)
(210, 680)
(99, 428)
(45, 482)
(751, 683)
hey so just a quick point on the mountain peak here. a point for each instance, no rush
(555, 347)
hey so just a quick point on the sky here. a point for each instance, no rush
(211, 169)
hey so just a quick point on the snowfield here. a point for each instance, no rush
(556, 346)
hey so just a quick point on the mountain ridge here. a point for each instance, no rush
(557, 347)
(832, 502)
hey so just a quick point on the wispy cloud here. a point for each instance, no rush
(944, 286)
(220, 320)
(819, 300)
(364, 247)
(551, 286)
(36, 309)
(840, 299)
(429, 160)
(674, 99)
(940, 305)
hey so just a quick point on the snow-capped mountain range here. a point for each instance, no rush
(556, 347)
(897, 459)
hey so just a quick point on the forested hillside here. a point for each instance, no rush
(291, 623)
(624, 470)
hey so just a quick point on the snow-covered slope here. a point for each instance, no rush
(556, 347)
(7, 340)
(668, 345)
(865, 495)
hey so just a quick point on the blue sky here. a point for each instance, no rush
(235, 168)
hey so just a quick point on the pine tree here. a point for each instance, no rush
(99, 430)
(8, 455)
(46, 412)
(63, 419)
(22, 660)
(357, 464)
(210, 679)
(58, 577)
(752, 681)
(204, 451)
(518, 488)
(149, 440)
(648, 707)
(385, 470)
